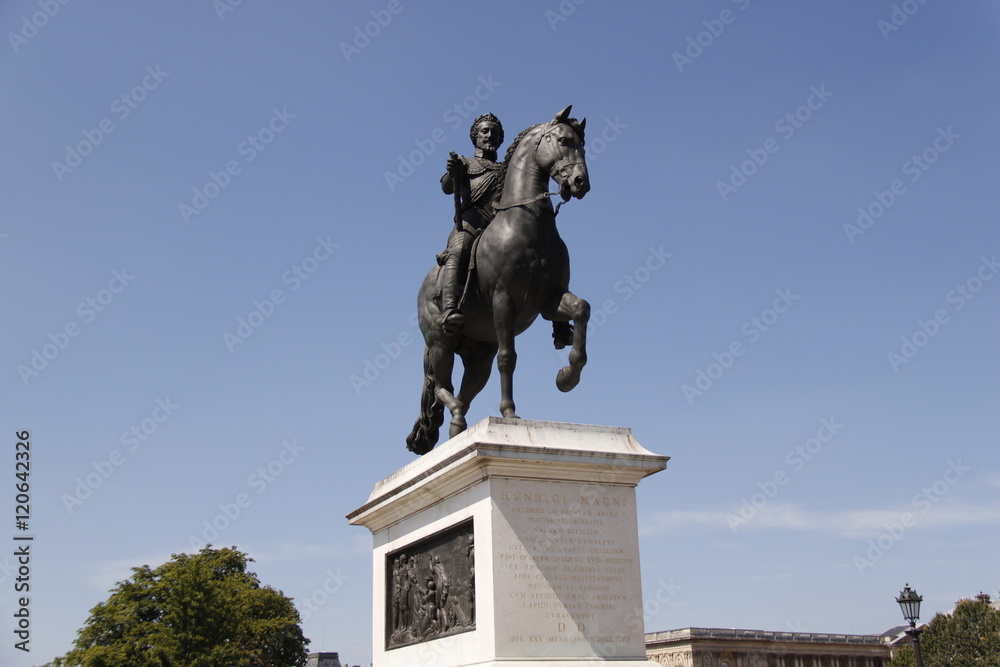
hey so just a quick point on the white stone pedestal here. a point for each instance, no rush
(556, 543)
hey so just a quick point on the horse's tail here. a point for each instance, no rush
(424, 435)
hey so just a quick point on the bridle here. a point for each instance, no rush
(563, 162)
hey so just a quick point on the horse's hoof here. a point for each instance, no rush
(458, 424)
(566, 379)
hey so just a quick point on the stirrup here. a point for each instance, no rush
(562, 335)
(452, 322)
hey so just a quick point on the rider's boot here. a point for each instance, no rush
(452, 320)
(562, 334)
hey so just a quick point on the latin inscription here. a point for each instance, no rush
(568, 567)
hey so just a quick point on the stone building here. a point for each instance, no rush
(719, 647)
(323, 660)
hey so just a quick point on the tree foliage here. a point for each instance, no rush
(202, 610)
(967, 637)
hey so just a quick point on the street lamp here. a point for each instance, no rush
(909, 603)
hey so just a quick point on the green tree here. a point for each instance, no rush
(967, 637)
(202, 610)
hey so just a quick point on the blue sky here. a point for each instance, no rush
(824, 378)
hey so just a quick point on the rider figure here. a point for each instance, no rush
(476, 181)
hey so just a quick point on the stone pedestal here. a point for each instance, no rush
(539, 520)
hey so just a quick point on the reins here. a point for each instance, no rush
(538, 197)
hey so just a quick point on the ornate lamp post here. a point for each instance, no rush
(909, 602)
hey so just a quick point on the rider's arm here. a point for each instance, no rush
(455, 165)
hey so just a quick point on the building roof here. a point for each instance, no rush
(688, 634)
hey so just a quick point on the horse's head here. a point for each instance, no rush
(560, 153)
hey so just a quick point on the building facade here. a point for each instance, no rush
(720, 647)
(323, 660)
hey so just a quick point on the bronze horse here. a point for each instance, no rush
(521, 272)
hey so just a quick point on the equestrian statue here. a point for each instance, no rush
(505, 265)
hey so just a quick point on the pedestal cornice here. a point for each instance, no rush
(515, 448)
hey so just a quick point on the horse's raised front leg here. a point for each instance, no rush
(572, 307)
(503, 319)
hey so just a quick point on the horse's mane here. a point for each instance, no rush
(502, 177)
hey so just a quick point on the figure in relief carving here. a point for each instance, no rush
(430, 589)
(397, 583)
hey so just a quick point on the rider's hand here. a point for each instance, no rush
(456, 166)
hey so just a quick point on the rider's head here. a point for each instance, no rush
(487, 133)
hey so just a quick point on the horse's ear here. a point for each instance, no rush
(562, 115)
(583, 124)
